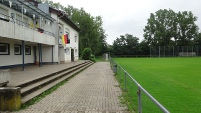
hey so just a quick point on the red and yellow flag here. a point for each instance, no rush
(64, 39)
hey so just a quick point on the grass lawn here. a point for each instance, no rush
(174, 82)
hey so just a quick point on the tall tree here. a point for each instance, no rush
(166, 26)
(126, 45)
(144, 48)
(197, 40)
(187, 29)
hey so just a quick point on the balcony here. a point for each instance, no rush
(16, 29)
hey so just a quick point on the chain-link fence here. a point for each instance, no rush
(175, 51)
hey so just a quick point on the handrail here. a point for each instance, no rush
(19, 22)
(140, 88)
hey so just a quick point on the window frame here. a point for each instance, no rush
(20, 49)
(29, 47)
(7, 52)
(76, 38)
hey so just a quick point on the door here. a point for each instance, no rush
(72, 55)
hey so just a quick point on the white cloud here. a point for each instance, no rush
(130, 16)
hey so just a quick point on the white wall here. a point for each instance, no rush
(13, 59)
(47, 54)
(73, 44)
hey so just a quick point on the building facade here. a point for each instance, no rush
(67, 52)
(31, 33)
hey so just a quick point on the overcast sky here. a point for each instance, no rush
(130, 16)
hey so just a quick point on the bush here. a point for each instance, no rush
(92, 58)
(86, 54)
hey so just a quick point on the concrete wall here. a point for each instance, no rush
(47, 54)
(14, 31)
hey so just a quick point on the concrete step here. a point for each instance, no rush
(39, 87)
(25, 84)
(43, 82)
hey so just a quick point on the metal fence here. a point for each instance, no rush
(175, 51)
(142, 101)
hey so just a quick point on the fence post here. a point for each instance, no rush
(115, 68)
(118, 69)
(159, 52)
(139, 100)
(125, 81)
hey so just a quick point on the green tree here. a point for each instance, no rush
(86, 54)
(126, 45)
(197, 40)
(187, 29)
(144, 48)
(165, 28)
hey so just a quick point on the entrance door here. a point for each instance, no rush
(72, 55)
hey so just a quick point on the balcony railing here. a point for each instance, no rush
(21, 23)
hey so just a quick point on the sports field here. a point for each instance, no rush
(174, 82)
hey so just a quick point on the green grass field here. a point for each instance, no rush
(174, 82)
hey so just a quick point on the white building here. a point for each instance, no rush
(69, 52)
(32, 35)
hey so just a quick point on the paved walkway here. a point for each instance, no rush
(92, 91)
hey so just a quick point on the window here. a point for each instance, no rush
(75, 50)
(4, 49)
(17, 49)
(12, 15)
(75, 38)
(27, 50)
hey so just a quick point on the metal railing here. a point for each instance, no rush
(116, 67)
(23, 24)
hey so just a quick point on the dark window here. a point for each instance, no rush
(4, 49)
(17, 49)
(27, 50)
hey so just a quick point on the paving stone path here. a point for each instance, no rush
(92, 91)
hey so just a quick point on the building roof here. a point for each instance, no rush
(64, 16)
